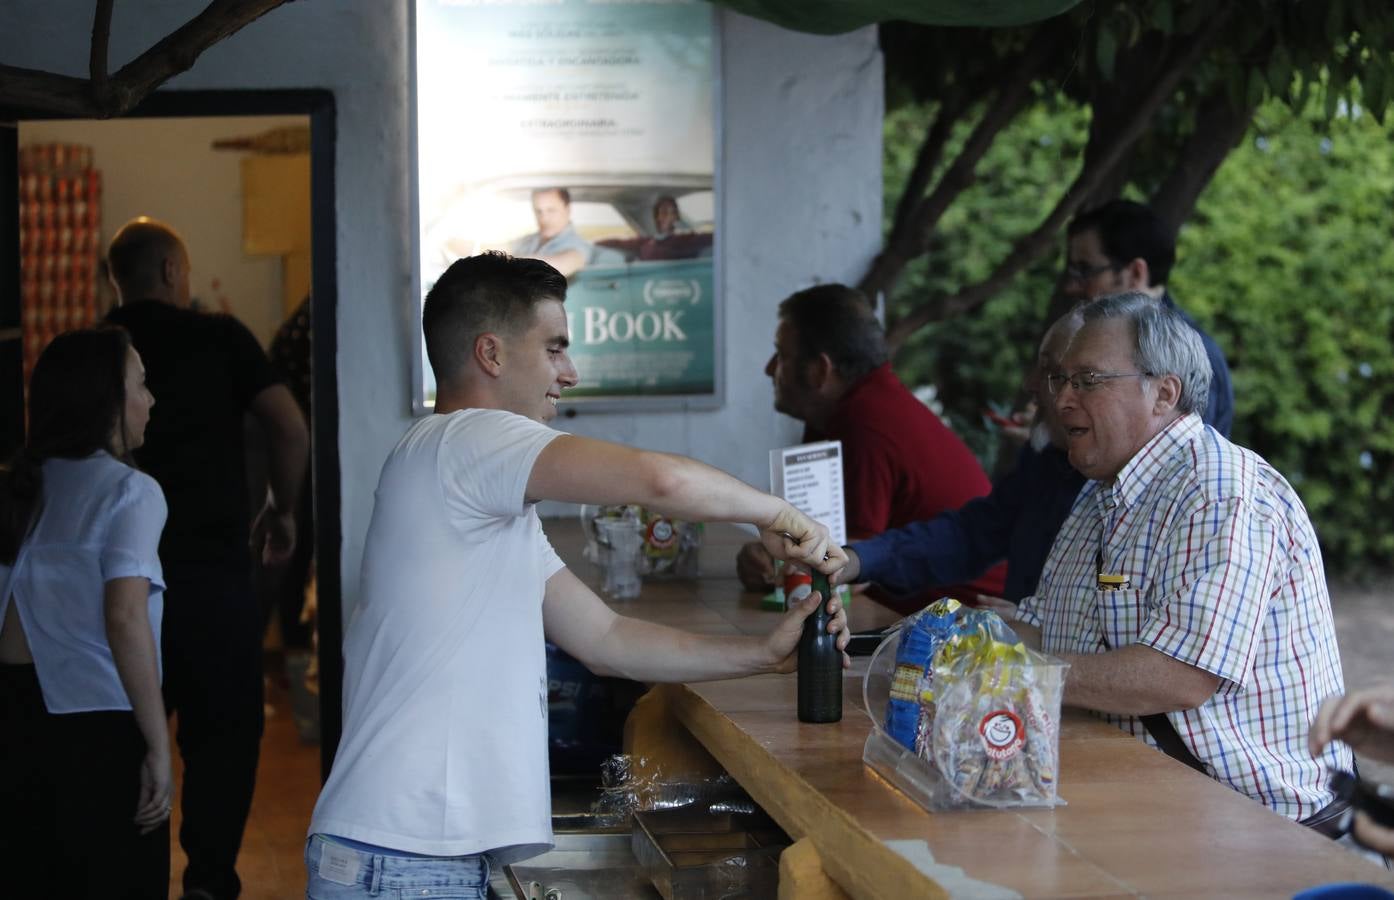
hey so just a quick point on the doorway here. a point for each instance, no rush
(255, 281)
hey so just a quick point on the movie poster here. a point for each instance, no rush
(579, 132)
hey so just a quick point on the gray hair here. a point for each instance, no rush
(1165, 343)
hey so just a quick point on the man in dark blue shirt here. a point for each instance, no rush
(1018, 520)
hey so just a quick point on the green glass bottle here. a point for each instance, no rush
(820, 663)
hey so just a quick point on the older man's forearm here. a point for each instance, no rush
(1135, 681)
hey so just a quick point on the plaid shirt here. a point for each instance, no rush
(1224, 574)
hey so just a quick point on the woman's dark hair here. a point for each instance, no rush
(77, 401)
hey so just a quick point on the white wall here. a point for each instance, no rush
(195, 189)
(801, 200)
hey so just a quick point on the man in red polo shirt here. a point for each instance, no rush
(901, 464)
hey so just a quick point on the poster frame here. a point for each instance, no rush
(604, 403)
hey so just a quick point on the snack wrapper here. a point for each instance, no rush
(922, 635)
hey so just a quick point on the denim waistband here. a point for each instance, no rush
(341, 864)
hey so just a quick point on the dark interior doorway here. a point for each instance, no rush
(318, 108)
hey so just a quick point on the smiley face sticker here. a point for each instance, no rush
(1002, 733)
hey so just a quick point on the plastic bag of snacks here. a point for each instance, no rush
(968, 716)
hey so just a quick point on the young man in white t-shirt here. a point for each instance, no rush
(444, 751)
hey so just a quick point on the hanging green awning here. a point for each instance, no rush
(836, 16)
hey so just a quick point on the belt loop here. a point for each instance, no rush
(375, 882)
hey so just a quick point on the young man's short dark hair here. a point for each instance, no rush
(489, 292)
(1129, 231)
(839, 321)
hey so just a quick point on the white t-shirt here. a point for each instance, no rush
(100, 520)
(444, 748)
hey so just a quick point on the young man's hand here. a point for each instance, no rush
(795, 537)
(783, 642)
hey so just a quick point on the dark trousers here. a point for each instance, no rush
(69, 787)
(212, 682)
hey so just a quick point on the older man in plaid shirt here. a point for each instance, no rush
(1186, 586)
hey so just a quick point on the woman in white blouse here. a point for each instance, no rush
(85, 778)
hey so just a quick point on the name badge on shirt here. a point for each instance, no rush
(338, 864)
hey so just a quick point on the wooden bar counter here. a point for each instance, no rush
(1136, 823)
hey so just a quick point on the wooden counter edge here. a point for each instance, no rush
(863, 865)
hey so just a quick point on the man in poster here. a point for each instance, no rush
(555, 242)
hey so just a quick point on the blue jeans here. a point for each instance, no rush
(338, 872)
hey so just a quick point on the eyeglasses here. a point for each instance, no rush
(1077, 272)
(1084, 382)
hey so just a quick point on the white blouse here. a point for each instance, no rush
(99, 520)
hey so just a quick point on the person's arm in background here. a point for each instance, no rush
(1363, 719)
(567, 262)
(288, 439)
(954, 546)
(288, 442)
(132, 643)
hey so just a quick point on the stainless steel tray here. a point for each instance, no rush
(695, 855)
(582, 867)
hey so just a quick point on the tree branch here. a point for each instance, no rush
(31, 90)
(936, 136)
(1030, 247)
(101, 39)
(907, 242)
(1219, 128)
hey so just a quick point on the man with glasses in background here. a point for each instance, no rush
(1186, 587)
(1124, 246)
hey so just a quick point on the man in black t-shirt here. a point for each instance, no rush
(208, 371)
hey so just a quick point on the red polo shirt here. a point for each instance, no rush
(901, 464)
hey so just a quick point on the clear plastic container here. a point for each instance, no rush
(992, 745)
(623, 539)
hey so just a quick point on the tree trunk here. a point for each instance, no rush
(911, 240)
(1219, 129)
(925, 162)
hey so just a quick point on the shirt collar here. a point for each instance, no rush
(1135, 477)
(879, 377)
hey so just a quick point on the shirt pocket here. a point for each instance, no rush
(1120, 613)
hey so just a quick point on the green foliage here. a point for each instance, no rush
(977, 360)
(1288, 262)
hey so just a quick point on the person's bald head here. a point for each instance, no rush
(1045, 426)
(148, 261)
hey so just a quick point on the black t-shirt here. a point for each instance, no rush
(204, 371)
